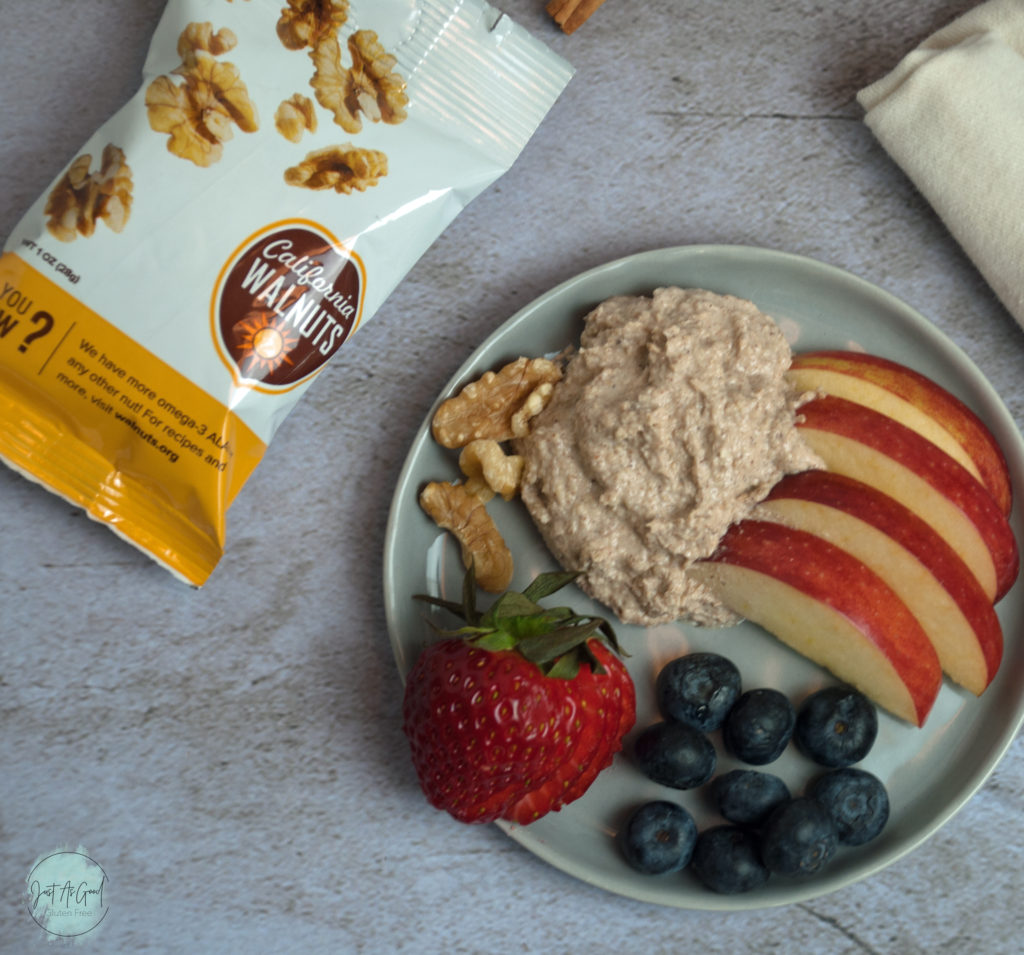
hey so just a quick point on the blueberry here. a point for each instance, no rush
(836, 726)
(726, 860)
(747, 797)
(659, 837)
(698, 689)
(799, 838)
(759, 726)
(856, 801)
(674, 754)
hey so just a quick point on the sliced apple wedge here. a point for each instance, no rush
(830, 607)
(908, 554)
(869, 446)
(915, 401)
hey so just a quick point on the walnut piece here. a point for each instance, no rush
(455, 509)
(489, 470)
(81, 198)
(370, 87)
(200, 36)
(306, 22)
(342, 168)
(295, 116)
(536, 402)
(485, 408)
(198, 113)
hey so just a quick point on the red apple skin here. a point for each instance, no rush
(931, 464)
(920, 540)
(944, 408)
(817, 569)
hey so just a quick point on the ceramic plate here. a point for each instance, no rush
(930, 773)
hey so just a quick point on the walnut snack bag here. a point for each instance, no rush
(171, 296)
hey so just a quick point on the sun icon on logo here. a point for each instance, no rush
(263, 345)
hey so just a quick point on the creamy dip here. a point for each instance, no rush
(673, 419)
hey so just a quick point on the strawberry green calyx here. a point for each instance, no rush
(554, 638)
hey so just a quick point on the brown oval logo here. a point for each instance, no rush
(285, 304)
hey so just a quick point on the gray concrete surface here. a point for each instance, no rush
(233, 756)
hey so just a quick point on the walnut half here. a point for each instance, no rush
(497, 405)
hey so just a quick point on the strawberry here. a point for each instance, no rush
(515, 713)
(598, 742)
(620, 687)
(574, 780)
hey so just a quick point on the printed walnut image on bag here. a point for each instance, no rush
(306, 22)
(344, 169)
(82, 198)
(370, 87)
(295, 116)
(200, 36)
(199, 113)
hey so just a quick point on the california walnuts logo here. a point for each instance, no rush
(67, 893)
(284, 304)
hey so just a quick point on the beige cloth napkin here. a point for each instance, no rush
(951, 114)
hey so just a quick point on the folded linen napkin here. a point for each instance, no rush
(951, 114)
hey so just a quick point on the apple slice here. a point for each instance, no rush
(830, 607)
(869, 446)
(907, 553)
(914, 400)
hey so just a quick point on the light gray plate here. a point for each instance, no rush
(930, 772)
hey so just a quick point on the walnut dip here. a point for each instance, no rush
(673, 419)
